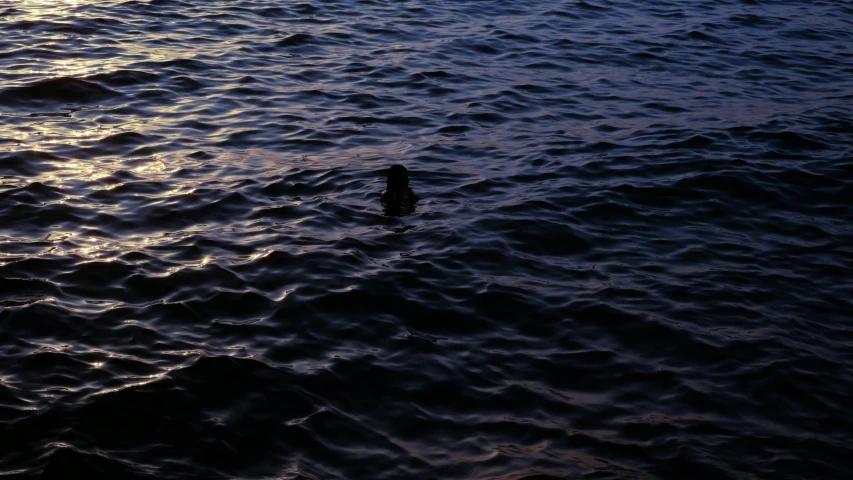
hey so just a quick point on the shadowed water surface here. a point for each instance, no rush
(631, 258)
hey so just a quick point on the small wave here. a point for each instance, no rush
(35, 193)
(124, 78)
(63, 89)
(124, 138)
(27, 162)
(790, 140)
(65, 461)
(296, 40)
(18, 292)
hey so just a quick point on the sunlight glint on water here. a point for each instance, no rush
(630, 258)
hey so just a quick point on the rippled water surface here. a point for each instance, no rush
(631, 259)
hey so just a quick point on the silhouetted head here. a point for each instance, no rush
(398, 178)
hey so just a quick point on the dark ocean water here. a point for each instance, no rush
(632, 258)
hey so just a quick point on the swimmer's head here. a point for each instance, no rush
(398, 177)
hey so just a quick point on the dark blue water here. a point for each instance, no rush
(632, 258)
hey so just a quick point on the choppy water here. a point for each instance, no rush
(632, 258)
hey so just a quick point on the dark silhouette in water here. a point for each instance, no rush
(398, 198)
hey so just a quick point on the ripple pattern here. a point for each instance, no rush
(631, 258)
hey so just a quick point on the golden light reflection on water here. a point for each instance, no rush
(50, 7)
(70, 67)
(60, 11)
(94, 248)
(80, 170)
(74, 55)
